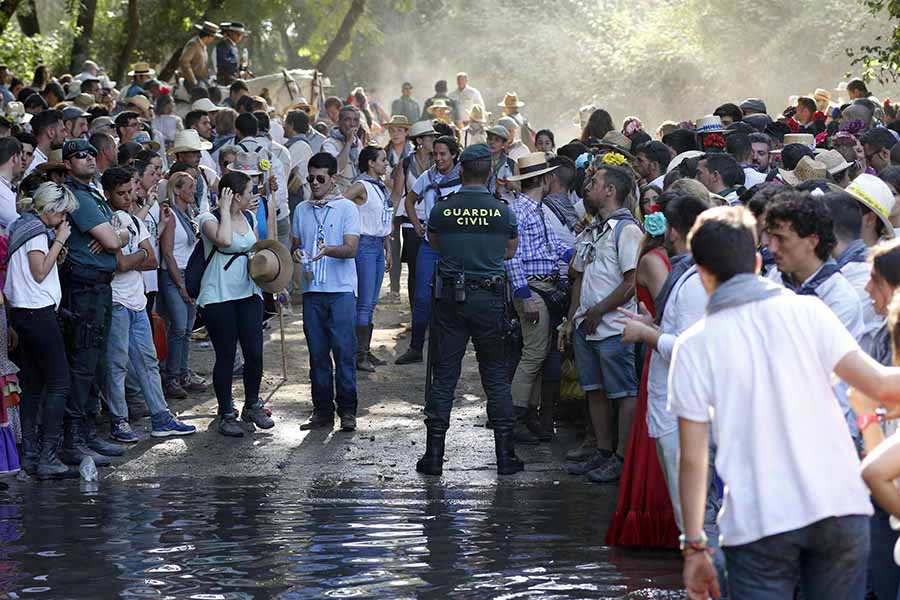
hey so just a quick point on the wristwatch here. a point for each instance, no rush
(688, 547)
(863, 421)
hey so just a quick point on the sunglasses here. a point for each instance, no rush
(320, 179)
(83, 155)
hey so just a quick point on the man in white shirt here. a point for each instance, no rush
(740, 147)
(199, 120)
(48, 128)
(651, 161)
(720, 174)
(10, 163)
(465, 97)
(296, 128)
(758, 368)
(344, 144)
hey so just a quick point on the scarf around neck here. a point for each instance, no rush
(334, 194)
(742, 289)
(23, 229)
(809, 287)
(336, 134)
(856, 252)
(376, 182)
(679, 266)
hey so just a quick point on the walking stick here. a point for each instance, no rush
(281, 299)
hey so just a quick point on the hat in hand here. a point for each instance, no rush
(271, 266)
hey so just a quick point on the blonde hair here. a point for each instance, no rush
(49, 198)
(176, 182)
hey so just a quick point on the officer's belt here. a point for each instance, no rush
(485, 283)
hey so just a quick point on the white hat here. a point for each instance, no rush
(205, 104)
(680, 158)
(833, 160)
(189, 140)
(421, 128)
(709, 124)
(532, 165)
(874, 194)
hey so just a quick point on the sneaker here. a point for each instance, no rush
(122, 432)
(194, 383)
(608, 473)
(174, 391)
(257, 415)
(596, 461)
(581, 453)
(409, 357)
(348, 423)
(173, 427)
(229, 426)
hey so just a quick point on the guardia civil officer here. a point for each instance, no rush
(474, 233)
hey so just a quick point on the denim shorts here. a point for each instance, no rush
(606, 365)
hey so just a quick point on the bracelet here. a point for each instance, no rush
(55, 241)
(863, 421)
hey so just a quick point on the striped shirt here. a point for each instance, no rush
(540, 251)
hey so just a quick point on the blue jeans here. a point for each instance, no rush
(131, 342)
(328, 324)
(426, 262)
(179, 317)
(827, 558)
(369, 276)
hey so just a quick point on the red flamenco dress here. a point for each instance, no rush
(644, 515)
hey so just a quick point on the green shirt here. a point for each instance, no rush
(92, 211)
(473, 227)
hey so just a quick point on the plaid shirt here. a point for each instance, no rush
(540, 251)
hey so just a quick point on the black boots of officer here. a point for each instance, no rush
(507, 461)
(432, 462)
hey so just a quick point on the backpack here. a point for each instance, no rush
(198, 261)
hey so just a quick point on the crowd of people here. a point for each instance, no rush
(722, 289)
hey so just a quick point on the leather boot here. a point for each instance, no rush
(363, 337)
(75, 448)
(97, 444)
(50, 466)
(522, 434)
(372, 358)
(432, 463)
(507, 461)
(31, 450)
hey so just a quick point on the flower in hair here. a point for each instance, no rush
(655, 224)
(614, 158)
(714, 140)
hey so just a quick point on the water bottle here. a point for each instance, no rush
(306, 271)
(88, 469)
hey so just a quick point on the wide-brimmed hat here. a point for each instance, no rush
(617, 142)
(807, 168)
(709, 124)
(421, 128)
(833, 160)
(205, 104)
(233, 26)
(478, 114)
(54, 162)
(83, 101)
(208, 28)
(874, 194)
(807, 139)
(439, 103)
(500, 131)
(141, 102)
(271, 266)
(189, 140)
(680, 158)
(246, 163)
(145, 140)
(15, 111)
(101, 124)
(511, 100)
(141, 68)
(398, 121)
(532, 165)
(822, 95)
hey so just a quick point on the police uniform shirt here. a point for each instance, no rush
(473, 229)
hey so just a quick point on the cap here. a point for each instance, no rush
(500, 131)
(72, 113)
(75, 146)
(475, 152)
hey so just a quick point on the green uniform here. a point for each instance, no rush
(473, 228)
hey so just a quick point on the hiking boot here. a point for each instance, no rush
(581, 453)
(50, 466)
(597, 461)
(348, 422)
(174, 391)
(432, 462)
(609, 472)
(257, 414)
(317, 422)
(229, 426)
(99, 445)
(372, 358)
(172, 427)
(122, 432)
(507, 461)
(409, 357)
(74, 448)
(363, 337)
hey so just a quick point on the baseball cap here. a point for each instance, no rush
(475, 152)
(73, 147)
(72, 113)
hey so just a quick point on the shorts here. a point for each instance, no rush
(606, 365)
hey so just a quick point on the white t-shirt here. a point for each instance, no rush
(128, 287)
(857, 274)
(761, 374)
(377, 214)
(8, 212)
(753, 177)
(838, 295)
(151, 222)
(603, 270)
(21, 289)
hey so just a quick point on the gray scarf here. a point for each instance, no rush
(353, 158)
(742, 289)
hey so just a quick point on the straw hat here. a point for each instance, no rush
(532, 165)
(141, 68)
(205, 104)
(271, 266)
(189, 140)
(54, 162)
(422, 128)
(617, 142)
(807, 139)
(874, 194)
(680, 158)
(234, 26)
(246, 163)
(439, 103)
(808, 168)
(833, 160)
(709, 124)
(478, 114)
(822, 98)
(207, 28)
(141, 102)
(511, 100)
(398, 121)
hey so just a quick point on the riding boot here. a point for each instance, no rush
(507, 461)
(432, 463)
(31, 450)
(363, 338)
(372, 358)
(75, 448)
(50, 466)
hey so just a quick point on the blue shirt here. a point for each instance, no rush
(92, 211)
(330, 224)
(219, 284)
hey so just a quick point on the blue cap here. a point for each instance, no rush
(475, 152)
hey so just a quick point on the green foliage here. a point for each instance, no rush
(22, 54)
(880, 60)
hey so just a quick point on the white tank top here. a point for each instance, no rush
(183, 244)
(376, 214)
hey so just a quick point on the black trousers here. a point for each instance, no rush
(411, 243)
(482, 318)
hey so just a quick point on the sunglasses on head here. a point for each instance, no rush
(320, 179)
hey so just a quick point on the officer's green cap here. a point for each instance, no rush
(475, 152)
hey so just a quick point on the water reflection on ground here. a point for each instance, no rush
(236, 539)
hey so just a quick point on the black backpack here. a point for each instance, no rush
(198, 261)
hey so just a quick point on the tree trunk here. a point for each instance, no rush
(132, 28)
(28, 19)
(81, 45)
(7, 8)
(342, 38)
(172, 63)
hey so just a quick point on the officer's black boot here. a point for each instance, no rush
(363, 337)
(432, 463)
(507, 461)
